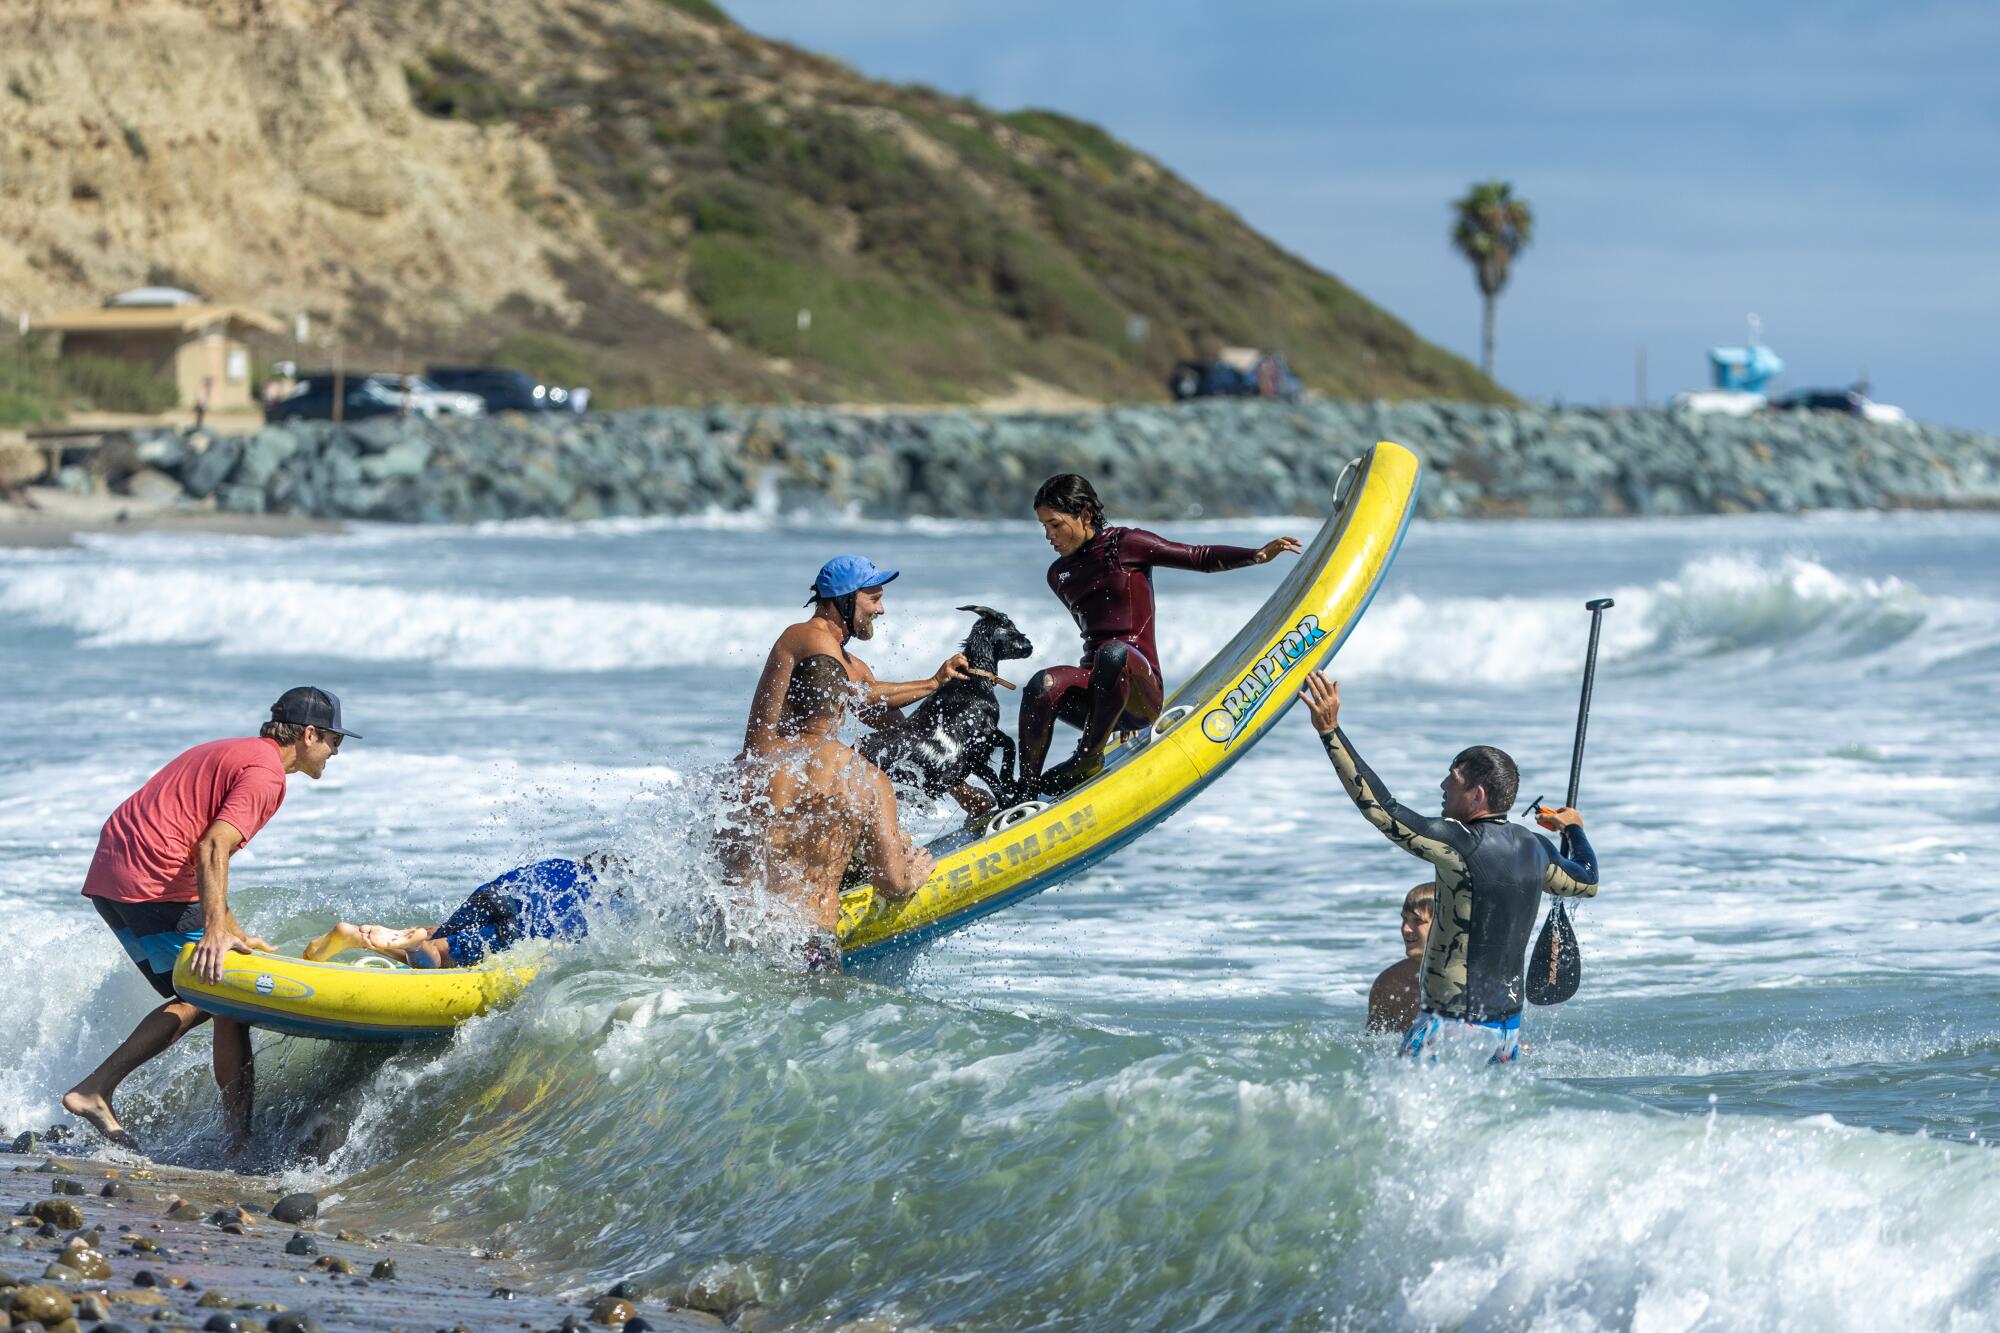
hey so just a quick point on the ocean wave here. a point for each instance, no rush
(1715, 609)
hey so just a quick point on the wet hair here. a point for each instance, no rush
(1422, 898)
(818, 688)
(1067, 493)
(284, 733)
(1485, 766)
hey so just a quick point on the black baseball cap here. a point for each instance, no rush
(311, 706)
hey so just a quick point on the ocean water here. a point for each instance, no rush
(1143, 1099)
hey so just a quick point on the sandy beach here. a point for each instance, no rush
(90, 1242)
(43, 516)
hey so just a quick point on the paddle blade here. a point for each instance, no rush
(1555, 968)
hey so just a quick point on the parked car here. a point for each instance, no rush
(1849, 402)
(1238, 372)
(504, 390)
(428, 399)
(312, 400)
(372, 394)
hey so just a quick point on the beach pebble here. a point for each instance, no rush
(145, 1245)
(571, 1324)
(500, 1294)
(295, 1208)
(87, 1260)
(25, 1141)
(352, 1237)
(626, 1290)
(612, 1310)
(301, 1243)
(383, 1271)
(718, 1289)
(215, 1300)
(116, 1189)
(49, 1305)
(59, 1213)
(333, 1263)
(637, 1324)
(62, 1273)
(92, 1309)
(230, 1323)
(180, 1210)
(70, 1187)
(299, 1321)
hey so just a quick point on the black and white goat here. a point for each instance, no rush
(953, 735)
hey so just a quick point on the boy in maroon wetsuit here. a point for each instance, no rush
(1105, 577)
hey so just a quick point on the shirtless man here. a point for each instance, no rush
(846, 600)
(810, 804)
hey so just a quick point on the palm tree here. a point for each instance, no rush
(1492, 227)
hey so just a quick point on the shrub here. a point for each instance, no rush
(449, 86)
(705, 10)
(112, 385)
(549, 357)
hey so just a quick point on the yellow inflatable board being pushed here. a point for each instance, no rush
(1205, 726)
(348, 1001)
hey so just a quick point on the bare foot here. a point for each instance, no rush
(340, 939)
(96, 1110)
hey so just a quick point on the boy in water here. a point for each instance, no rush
(1394, 998)
(544, 901)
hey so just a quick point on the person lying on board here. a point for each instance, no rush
(548, 900)
(1393, 999)
(808, 805)
(1491, 875)
(846, 602)
(1104, 575)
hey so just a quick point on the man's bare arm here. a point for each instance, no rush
(887, 697)
(896, 866)
(769, 697)
(220, 931)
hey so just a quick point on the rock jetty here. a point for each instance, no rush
(1156, 461)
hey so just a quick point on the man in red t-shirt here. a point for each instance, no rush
(160, 880)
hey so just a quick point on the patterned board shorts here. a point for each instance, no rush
(152, 933)
(1431, 1033)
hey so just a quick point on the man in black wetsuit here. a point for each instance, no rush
(1490, 878)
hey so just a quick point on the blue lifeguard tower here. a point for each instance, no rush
(1745, 369)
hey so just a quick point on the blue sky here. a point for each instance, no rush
(1834, 167)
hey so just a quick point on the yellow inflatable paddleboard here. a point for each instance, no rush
(1205, 726)
(348, 1001)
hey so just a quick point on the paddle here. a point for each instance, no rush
(1555, 968)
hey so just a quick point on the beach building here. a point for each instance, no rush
(198, 346)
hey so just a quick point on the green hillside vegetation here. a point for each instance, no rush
(942, 249)
(36, 386)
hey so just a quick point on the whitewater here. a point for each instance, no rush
(1143, 1099)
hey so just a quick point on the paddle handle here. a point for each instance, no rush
(1597, 610)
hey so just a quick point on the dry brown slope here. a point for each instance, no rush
(651, 194)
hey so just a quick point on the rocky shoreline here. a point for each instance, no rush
(112, 1247)
(1211, 458)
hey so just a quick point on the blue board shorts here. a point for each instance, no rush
(544, 901)
(1501, 1037)
(152, 934)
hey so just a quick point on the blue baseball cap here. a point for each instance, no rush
(845, 574)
